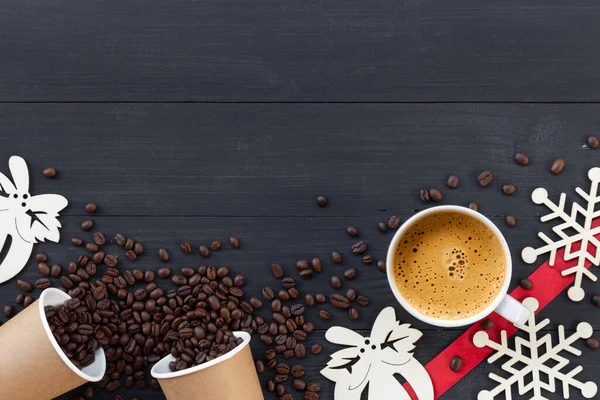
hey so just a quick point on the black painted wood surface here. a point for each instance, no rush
(190, 120)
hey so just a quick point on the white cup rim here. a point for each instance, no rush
(442, 322)
(163, 364)
(100, 358)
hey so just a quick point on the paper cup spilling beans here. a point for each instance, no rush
(35, 367)
(213, 379)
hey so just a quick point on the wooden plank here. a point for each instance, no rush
(274, 159)
(271, 50)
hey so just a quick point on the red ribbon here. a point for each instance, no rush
(547, 284)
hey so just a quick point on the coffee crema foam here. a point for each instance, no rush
(449, 266)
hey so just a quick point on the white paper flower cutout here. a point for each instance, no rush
(374, 361)
(26, 219)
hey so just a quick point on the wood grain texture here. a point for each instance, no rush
(271, 50)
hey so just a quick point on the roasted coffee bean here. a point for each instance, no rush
(164, 272)
(311, 396)
(49, 172)
(24, 286)
(350, 274)
(297, 309)
(367, 259)
(351, 294)
(485, 178)
(163, 254)
(129, 243)
(92, 247)
(473, 206)
(297, 371)
(302, 265)
(27, 301)
(308, 327)
(42, 283)
(322, 201)
(593, 142)
(204, 251)
(313, 387)
(352, 231)
(557, 166)
(526, 284)
(456, 363)
(424, 195)
(215, 245)
(452, 181)
(234, 241)
(99, 239)
(521, 158)
(186, 248)
(487, 324)
(87, 225)
(41, 257)
(309, 299)
(299, 384)
(111, 261)
(268, 294)
(339, 301)
(90, 208)
(436, 195)
(317, 264)
(324, 314)
(98, 257)
(260, 366)
(393, 223)
(335, 282)
(9, 311)
(596, 300)
(336, 257)
(288, 282)
(283, 295)
(320, 298)
(19, 299)
(44, 269)
(120, 239)
(282, 369)
(381, 266)
(277, 270)
(299, 350)
(361, 246)
(138, 248)
(511, 220)
(316, 349)
(306, 273)
(270, 386)
(276, 305)
(508, 188)
(353, 313)
(382, 226)
(266, 339)
(592, 343)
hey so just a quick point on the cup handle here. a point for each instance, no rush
(513, 311)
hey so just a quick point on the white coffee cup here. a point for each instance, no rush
(504, 305)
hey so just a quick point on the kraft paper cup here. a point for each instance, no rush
(32, 365)
(229, 377)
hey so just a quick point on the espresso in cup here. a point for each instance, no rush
(449, 266)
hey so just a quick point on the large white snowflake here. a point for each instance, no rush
(589, 250)
(542, 353)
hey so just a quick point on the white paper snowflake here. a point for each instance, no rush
(584, 234)
(538, 361)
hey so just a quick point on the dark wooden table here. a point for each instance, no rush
(193, 121)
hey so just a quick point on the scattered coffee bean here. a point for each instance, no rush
(382, 226)
(306, 273)
(49, 172)
(511, 220)
(163, 254)
(92, 247)
(324, 314)
(302, 264)
(596, 300)
(362, 300)
(129, 244)
(87, 225)
(452, 181)
(526, 284)
(288, 282)
(309, 299)
(473, 206)
(55, 270)
(42, 283)
(436, 195)
(456, 363)
(350, 273)
(336, 282)
(297, 371)
(215, 245)
(336, 257)
(138, 248)
(353, 314)
(320, 298)
(164, 272)
(316, 349)
(9, 311)
(299, 384)
(521, 158)
(120, 239)
(41, 257)
(592, 343)
(260, 366)
(485, 178)
(557, 166)
(393, 222)
(352, 231)
(234, 242)
(339, 301)
(24, 286)
(360, 247)
(44, 269)
(351, 294)
(90, 208)
(204, 251)
(311, 396)
(313, 387)
(508, 188)
(322, 201)
(186, 248)
(593, 142)
(111, 261)
(381, 266)
(367, 259)
(487, 324)
(317, 264)
(424, 195)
